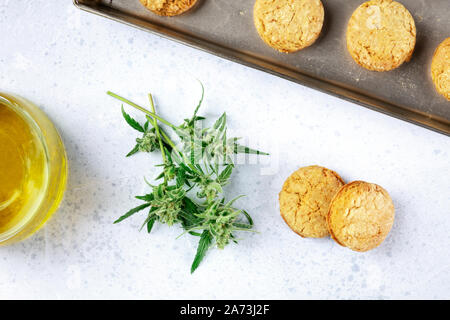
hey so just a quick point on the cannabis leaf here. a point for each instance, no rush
(203, 246)
(132, 212)
(133, 123)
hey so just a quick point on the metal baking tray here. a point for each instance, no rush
(225, 28)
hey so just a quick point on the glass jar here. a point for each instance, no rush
(33, 168)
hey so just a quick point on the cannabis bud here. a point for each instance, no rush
(149, 142)
(168, 203)
(222, 233)
(170, 171)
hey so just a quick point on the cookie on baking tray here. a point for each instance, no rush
(305, 197)
(440, 68)
(360, 216)
(381, 35)
(288, 25)
(169, 7)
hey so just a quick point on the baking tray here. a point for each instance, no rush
(225, 28)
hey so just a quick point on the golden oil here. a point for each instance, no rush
(32, 168)
(23, 170)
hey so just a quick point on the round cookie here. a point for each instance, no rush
(288, 25)
(440, 68)
(305, 197)
(168, 7)
(381, 35)
(361, 215)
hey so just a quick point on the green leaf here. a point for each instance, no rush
(188, 215)
(190, 207)
(242, 225)
(192, 155)
(149, 218)
(242, 149)
(169, 156)
(133, 123)
(230, 203)
(132, 211)
(135, 150)
(199, 168)
(150, 224)
(181, 177)
(148, 197)
(225, 174)
(188, 219)
(203, 246)
(249, 219)
(221, 122)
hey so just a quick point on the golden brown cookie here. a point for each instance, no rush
(288, 25)
(361, 215)
(440, 68)
(381, 35)
(168, 7)
(305, 198)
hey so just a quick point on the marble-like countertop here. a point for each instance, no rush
(65, 60)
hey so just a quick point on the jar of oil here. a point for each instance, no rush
(33, 168)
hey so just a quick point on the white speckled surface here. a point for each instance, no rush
(64, 60)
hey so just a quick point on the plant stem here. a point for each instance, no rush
(158, 134)
(151, 114)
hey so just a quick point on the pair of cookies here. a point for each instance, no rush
(315, 202)
(381, 34)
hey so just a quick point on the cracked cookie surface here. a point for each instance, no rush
(168, 7)
(305, 198)
(288, 25)
(360, 216)
(440, 68)
(381, 35)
